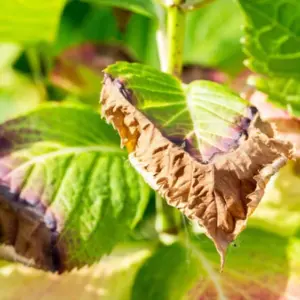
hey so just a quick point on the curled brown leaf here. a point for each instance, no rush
(221, 194)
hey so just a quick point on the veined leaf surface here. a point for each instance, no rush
(283, 92)
(205, 115)
(67, 186)
(272, 44)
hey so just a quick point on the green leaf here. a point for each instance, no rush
(29, 21)
(252, 271)
(146, 8)
(213, 36)
(66, 160)
(272, 43)
(203, 114)
(273, 36)
(284, 92)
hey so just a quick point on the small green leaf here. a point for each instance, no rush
(143, 7)
(66, 160)
(203, 114)
(29, 21)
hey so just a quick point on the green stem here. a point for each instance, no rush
(170, 48)
(176, 27)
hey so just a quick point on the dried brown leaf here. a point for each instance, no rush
(221, 194)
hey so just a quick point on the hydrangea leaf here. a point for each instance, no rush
(272, 39)
(67, 193)
(200, 146)
(186, 114)
(272, 43)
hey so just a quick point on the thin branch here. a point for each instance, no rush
(176, 30)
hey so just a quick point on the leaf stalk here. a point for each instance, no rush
(176, 30)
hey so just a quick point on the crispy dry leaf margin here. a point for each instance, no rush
(220, 195)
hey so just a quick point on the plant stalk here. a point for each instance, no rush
(170, 47)
(176, 27)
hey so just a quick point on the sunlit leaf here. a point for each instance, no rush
(61, 171)
(273, 36)
(272, 43)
